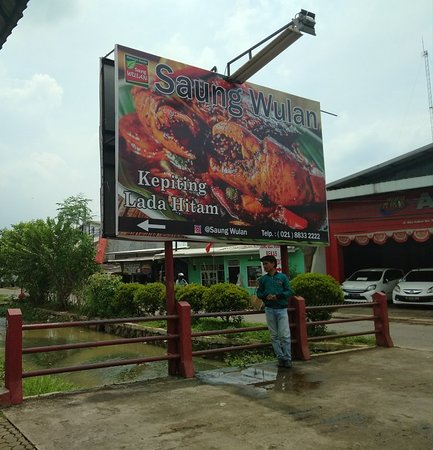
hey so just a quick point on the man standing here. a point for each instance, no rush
(275, 290)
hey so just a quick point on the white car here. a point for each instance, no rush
(416, 288)
(362, 284)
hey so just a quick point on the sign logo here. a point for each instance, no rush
(136, 70)
(392, 205)
(197, 229)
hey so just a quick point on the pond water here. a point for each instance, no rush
(75, 357)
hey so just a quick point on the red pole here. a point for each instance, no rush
(13, 355)
(381, 322)
(284, 259)
(299, 320)
(185, 340)
(172, 345)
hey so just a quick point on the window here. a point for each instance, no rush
(212, 274)
(234, 269)
(393, 274)
(253, 273)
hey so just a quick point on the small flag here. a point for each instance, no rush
(208, 247)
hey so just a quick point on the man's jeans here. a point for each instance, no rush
(278, 324)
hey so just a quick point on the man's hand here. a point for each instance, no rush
(271, 297)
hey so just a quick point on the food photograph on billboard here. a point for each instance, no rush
(201, 158)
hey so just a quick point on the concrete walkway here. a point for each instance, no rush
(368, 399)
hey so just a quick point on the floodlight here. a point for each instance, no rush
(304, 21)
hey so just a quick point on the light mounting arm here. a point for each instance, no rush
(303, 22)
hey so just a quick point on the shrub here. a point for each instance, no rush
(99, 294)
(318, 289)
(124, 302)
(150, 298)
(193, 294)
(226, 297)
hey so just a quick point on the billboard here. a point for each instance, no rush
(200, 158)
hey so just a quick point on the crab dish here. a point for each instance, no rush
(253, 167)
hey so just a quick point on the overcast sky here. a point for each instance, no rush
(365, 65)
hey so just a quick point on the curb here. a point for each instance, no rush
(411, 320)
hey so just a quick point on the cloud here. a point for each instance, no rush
(41, 166)
(34, 96)
(51, 13)
(351, 149)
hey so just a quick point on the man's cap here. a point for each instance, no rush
(269, 258)
(181, 274)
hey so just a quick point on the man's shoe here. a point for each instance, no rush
(284, 363)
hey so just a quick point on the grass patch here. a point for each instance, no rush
(45, 385)
(40, 385)
(246, 358)
(155, 324)
(358, 340)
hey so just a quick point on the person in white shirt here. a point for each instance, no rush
(181, 280)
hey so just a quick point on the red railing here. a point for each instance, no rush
(231, 348)
(14, 349)
(180, 359)
(379, 318)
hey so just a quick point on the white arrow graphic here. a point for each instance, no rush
(146, 225)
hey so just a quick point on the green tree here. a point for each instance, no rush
(73, 260)
(75, 210)
(51, 258)
(25, 253)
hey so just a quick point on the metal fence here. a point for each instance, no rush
(179, 344)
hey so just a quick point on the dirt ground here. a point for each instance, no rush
(369, 399)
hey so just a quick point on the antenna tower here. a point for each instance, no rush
(427, 74)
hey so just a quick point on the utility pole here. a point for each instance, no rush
(427, 74)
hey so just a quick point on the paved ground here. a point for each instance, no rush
(368, 399)
(11, 437)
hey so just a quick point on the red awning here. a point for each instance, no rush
(380, 237)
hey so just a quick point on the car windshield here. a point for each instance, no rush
(419, 275)
(366, 275)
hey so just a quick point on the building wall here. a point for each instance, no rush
(248, 264)
(400, 217)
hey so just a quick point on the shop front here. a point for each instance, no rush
(383, 216)
(386, 230)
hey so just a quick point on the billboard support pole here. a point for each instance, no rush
(284, 259)
(172, 344)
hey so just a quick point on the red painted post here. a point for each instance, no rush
(172, 345)
(13, 355)
(299, 319)
(381, 322)
(284, 259)
(185, 340)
